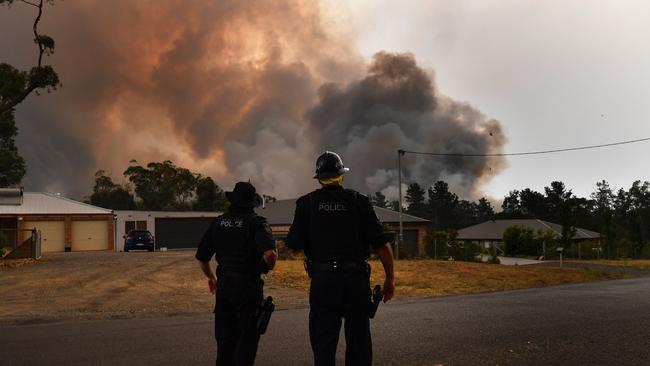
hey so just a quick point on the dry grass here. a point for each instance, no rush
(633, 263)
(113, 285)
(14, 263)
(125, 285)
(424, 278)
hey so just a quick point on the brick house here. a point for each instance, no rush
(65, 224)
(280, 216)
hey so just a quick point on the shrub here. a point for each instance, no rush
(645, 253)
(403, 253)
(589, 249)
(520, 240)
(548, 239)
(625, 249)
(435, 243)
(463, 251)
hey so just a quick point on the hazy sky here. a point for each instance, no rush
(554, 73)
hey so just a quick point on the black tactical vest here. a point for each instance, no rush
(236, 252)
(334, 226)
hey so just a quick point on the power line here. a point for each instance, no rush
(540, 152)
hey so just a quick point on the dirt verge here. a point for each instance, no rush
(141, 284)
(14, 263)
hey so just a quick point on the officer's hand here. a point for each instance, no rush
(212, 283)
(389, 289)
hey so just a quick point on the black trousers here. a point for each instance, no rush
(234, 320)
(335, 296)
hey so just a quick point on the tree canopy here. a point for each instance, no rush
(110, 195)
(15, 86)
(416, 200)
(622, 216)
(379, 200)
(158, 186)
(162, 185)
(209, 196)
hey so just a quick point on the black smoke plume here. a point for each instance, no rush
(396, 106)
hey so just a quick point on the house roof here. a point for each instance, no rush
(493, 230)
(390, 216)
(39, 203)
(281, 213)
(123, 214)
(11, 196)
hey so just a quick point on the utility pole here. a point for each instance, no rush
(435, 248)
(400, 152)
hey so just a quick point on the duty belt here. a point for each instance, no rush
(338, 266)
(221, 272)
(246, 276)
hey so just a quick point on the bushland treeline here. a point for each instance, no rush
(158, 186)
(622, 216)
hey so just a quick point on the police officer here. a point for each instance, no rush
(244, 248)
(336, 228)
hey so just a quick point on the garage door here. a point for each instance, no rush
(175, 233)
(411, 243)
(89, 235)
(52, 234)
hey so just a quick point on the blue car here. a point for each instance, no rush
(139, 240)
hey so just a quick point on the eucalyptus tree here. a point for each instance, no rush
(15, 86)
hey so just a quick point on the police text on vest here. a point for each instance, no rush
(332, 206)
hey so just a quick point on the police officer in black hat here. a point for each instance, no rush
(336, 228)
(244, 248)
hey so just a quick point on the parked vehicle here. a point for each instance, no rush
(139, 240)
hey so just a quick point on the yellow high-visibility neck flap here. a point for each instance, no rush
(334, 181)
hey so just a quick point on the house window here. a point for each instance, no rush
(128, 226)
(141, 225)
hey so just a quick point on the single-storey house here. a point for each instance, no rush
(177, 230)
(491, 232)
(171, 229)
(280, 216)
(65, 224)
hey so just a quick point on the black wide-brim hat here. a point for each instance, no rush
(244, 195)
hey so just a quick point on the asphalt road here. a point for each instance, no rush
(602, 323)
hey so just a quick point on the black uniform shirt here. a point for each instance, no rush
(237, 239)
(333, 223)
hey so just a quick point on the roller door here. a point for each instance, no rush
(175, 233)
(89, 235)
(52, 234)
